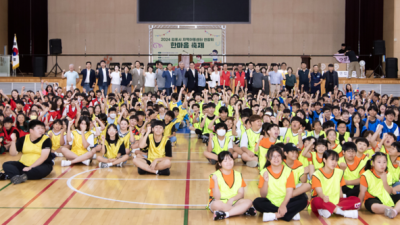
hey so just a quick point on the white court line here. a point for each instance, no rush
(116, 200)
(129, 179)
(187, 152)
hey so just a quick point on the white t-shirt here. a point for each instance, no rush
(150, 80)
(115, 79)
(71, 78)
(214, 78)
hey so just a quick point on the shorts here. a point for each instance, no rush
(369, 202)
(212, 200)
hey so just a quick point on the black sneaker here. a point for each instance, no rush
(3, 176)
(218, 215)
(164, 172)
(17, 179)
(251, 212)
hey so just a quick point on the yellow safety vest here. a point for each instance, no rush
(217, 148)
(206, 123)
(168, 128)
(346, 137)
(30, 151)
(126, 139)
(113, 149)
(262, 155)
(294, 139)
(352, 174)
(297, 172)
(330, 187)
(77, 144)
(395, 171)
(218, 105)
(338, 150)
(55, 140)
(252, 139)
(230, 110)
(226, 191)
(277, 186)
(197, 124)
(376, 188)
(156, 152)
(317, 165)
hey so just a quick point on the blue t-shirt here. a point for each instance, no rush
(315, 78)
(349, 94)
(372, 125)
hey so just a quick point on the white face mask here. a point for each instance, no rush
(112, 115)
(221, 132)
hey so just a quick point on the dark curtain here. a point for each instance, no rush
(364, 22)
(28, 20)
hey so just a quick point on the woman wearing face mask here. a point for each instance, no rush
(218, 143)
(81, 141)
(227, 190)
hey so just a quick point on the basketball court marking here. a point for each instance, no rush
(67, 200)
(187, 196)
(34, 198)
(5, 186)
(124, 201)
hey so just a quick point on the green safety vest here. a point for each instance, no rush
(376, 188)
(330, 187)
(352, 174)
(277, 186)
(226, 191)
(206, 123)
(217, 148)
(252, 139)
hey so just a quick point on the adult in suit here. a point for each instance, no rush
(169, 80)
(89, 77)
(159, 78)
(126, 83)
(137, 75)
(103, 76)
(179, 77)
(331, 79)
(193, 77)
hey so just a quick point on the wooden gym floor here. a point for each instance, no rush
(87, 195)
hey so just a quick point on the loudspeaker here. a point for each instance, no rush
(379, 47)
(38, 66)
(391, 68)
(55, 46)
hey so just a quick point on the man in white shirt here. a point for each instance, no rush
(72, 76)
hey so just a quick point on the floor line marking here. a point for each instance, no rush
(68, 199)
(34, 198)
(116, 200)
(320, 218)
(105, 208)
(362, 220)
(5, 186)
(187, 192)
(126, 179)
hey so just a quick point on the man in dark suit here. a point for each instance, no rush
(168, 75)
(126, 83)
(331, 79)
(192, 76)
(89, 77)
(103, 76)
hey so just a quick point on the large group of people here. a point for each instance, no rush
(342, 145)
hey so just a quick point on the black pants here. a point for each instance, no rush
(12, 168)
(351, 192)
(289, 88)
(178, 88)
(369, 202)
(294, 206)
(200, 89)
(256, 90)
(329, 88)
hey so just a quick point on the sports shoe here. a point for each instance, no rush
(344, 196)
(351, 213)
(296, 217)
(390, 213)
(252, 164)
(86, 162)
(269, 217)
(119, 164)
(324, 213)
(3, 176)
(94, 156)
(218, 215)
(58, 154)
(65, 163)
(103, 165)
(164, 172)
(17, 179)
(251, 212)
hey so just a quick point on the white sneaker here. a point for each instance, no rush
(269, 217)
(296, 217)
(65, 163)
(390, 213)
(119, 164)
(324, 213)
(351, 214)
(344, 196)
(59, 154)
(86, 162)
(103, 165)
(94, 156)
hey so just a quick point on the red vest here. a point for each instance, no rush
(7, 136)
(71, 114)
(240, 77)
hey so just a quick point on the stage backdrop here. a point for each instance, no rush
(204, 44)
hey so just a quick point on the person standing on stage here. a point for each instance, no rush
(249, 77)
(316, 80)
(354, 65)
(331, 79)
(103, 76)
(257, 80)
(160, 79)
(72, 76)
(137, 75)
(276, 80)
(225, 76)
(179, 77)
(303, 75)
(193, 76)
(89, 77)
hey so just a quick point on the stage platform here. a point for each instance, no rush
(380, 85)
